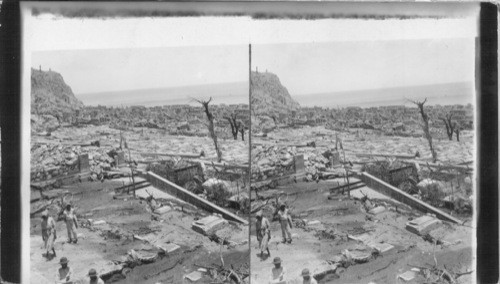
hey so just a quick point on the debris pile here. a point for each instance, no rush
(276, 161)
(51, 161)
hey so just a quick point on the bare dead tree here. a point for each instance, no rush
(450, 127)
(242, 131)
(457, 132)
(425, 126)
(235, 125)
(211, 129)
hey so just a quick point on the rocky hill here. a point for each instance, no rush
(50, 94)
(52, 100)
(269, 95)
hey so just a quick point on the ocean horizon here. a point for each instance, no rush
(440, 94)
(224, 93)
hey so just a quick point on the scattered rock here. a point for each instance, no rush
(408, 275)
(194, 276)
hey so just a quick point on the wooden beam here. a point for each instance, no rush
(185, 195)
(401, 196)
(386, 156)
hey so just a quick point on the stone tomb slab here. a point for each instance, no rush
(209, 225)
(382, 247)
(423, 225)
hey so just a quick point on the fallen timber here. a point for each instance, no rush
(185, 195)
(182, 155)
(386, 156)
(350, 186)
(222, 165)
(399, 195)
(463, 168)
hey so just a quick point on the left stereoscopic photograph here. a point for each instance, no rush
(139, 161)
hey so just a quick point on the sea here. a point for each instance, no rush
(224, 93)
(439, 94)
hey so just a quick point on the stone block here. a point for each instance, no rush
(407, 276)
(382, 247)
(84, 164)
(299, 164)
(364, 238)
(209, 225)
(312, 223)
(170, 248)
(421, 220)
(377, 210)
(194, 276)
(335, 159)
(423, 225)
(120, 158)
(163, 210)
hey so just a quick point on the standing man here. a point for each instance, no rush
(65, 273)
(93, 278)
(286, 223)
(307, 278)
(48, 233)
(71, 223)
(263, 231)
(278, 272)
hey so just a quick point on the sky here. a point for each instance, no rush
(108, 70)
(318, 56)
(313, 68)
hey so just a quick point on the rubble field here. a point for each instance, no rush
(55, 155)
(368, 237)
(113, 231)
(149, 237)
(340, 242)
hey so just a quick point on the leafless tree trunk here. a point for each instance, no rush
(210, 119)
(450, 127)
(457, 132)
(242, 131)
(425, 126)
(235, 125)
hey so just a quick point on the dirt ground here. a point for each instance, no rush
(315, 246)
(105, 247)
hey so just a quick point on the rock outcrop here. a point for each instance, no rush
(269, 96)
(51, 99)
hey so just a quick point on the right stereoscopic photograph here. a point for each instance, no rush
(363, 149)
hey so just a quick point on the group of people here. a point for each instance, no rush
(263, 229)
(64, 274)
(49, 233)
(279, 276)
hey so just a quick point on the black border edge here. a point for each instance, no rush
(11, 234)
(487, 218)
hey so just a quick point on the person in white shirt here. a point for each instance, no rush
(307, 278)
(64, 274)
(93, 278)
(286, 224)
(263, 232)
(71, 224)
(48, 233)
(278, 272)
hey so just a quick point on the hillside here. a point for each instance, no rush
(52, 101)
(269, 95)
(51, 95)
